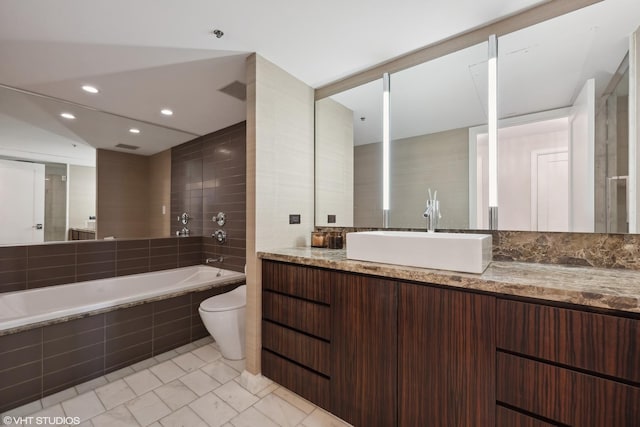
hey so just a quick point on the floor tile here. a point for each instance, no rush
(236, 396)
(144, 364)
(23, 410)
(175, 394)
(167, 371)
(115, 394)
(91, 385)
(252, 418)
(120, 373)
(213, 410)
(184, 417)
(299, 402)
(199, 382)
(189, 362)
(186, 348)
(253, 383)
(116, 417)
(207, 353)
(320, 418)
(220, 371)
(269, 389)
(148, 408)
(238, 365)
(85, 406)
(49, 414)
(280, 411)
(56, 398)
(203, 341)
(142, 382)
(163, 357)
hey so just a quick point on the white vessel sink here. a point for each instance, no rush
(469, 253)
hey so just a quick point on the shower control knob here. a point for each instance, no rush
(220, 236)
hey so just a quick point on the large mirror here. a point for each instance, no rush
(559, 83)
(48, 164)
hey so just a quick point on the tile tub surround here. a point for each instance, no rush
(620, 251)
(192, 385)
(44, 360)
(208, 175)
(35, 266)
(611, 289)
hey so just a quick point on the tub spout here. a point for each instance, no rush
(211, 260)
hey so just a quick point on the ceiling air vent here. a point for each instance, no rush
(127, 147)
(236, 89)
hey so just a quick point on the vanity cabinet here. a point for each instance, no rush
(364, 350)
(296, 329)
(446, 357)
(567, 366)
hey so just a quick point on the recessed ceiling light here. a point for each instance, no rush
(90, 89)
(134, 130)
(67, 116)
(166, 112)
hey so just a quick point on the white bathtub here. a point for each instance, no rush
(43, 304)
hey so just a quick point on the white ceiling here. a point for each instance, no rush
(540, 68)
(148, 54)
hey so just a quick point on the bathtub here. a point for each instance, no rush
(56, 337)
(43, 305)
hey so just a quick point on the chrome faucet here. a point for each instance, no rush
(432, 212)
(210, 260)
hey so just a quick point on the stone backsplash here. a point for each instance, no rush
(581, 249)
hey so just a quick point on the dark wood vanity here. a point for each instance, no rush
(377, 351)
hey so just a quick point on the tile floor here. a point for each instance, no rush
(191, 386)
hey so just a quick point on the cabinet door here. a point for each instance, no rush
(446, 351)
(364, 350)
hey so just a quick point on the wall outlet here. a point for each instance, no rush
(294, 218)
(331, 219)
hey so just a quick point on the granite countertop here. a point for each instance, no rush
(588, 286)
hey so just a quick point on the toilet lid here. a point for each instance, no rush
(227, 301)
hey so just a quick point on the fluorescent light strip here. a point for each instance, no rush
(493, 120)
(385, 142)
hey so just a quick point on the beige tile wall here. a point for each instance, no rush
(280, 159)
(334, 163)
(438, 161)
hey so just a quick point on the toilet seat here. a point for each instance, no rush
(225, 302)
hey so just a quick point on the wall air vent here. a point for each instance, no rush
(236, 89)
(127, 147)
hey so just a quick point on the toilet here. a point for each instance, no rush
(223, 316)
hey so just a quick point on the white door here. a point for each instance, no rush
(550, 191)
(581, 163)
(21, 202)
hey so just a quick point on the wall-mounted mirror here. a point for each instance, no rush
(542, 71)
(47, 164)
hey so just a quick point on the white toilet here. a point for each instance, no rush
(223, 316)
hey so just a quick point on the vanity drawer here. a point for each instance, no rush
(599, 343)
(308, 384)
(565, 396)
(506, 417)
(308, 351)
(300, 281)
(305, 316)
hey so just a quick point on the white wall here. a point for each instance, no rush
(82, 195)
(280, 178)
(334, 163)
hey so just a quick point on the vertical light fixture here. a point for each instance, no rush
(385, 150)
(493, 132)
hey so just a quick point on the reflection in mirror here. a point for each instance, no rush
(48, 165)
(433, 105)
(560, 166)
(346, 121)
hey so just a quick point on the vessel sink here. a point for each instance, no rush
(469, 253)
